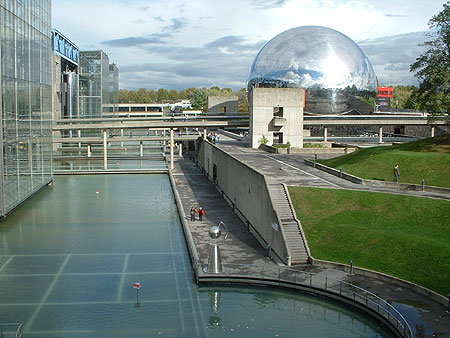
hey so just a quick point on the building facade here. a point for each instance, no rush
(113, 88)
(94, 83)
(25, 100)
(223, 105)
(276, 116)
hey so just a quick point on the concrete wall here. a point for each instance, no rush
(222, 104)
(262, 102)
(247, 189)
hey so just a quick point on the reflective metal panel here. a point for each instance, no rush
(337, 75)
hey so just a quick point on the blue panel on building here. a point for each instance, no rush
(64, 47)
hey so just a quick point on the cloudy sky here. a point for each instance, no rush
(177, 44)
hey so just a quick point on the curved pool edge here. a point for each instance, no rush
(384, 277)
(200, 277)
(267, 282)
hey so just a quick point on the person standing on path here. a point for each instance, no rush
(396, 173)
(192, 213)
(201, 212)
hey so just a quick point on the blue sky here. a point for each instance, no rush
(178, 44)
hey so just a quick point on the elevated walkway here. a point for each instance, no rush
(246, 259)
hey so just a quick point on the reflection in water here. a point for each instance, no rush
(214, 299)
(69, 258)
(259, 311)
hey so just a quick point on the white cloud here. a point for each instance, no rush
(229, 33)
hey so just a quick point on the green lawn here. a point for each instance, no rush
(427, 159)
(404, 236)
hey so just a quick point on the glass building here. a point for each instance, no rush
(113, 88)
(93, 83)
(25, 100)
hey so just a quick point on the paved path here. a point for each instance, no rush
(426, 317)
(291, 170)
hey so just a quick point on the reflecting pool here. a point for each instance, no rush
(70, 255)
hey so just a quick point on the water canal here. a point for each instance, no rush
(69, 257)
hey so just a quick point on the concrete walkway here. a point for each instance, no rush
(426, 317)
(291, 170)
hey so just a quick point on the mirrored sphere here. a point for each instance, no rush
(335, 73)
(215, 232)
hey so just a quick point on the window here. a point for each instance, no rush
(277, 111)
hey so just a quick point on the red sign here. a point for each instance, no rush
(385, 92)
(137, 285)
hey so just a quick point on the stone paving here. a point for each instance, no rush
(427, 317)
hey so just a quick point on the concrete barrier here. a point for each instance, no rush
(233, 135)
(334, 172)
(248, 191)
(376, 183)
(276, 150)
(187, 231)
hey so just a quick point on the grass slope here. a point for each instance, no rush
(427, 159)
(403, 236)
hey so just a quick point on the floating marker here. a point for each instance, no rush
(137, 286)
(97, 192)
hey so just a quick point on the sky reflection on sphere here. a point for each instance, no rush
(333, 69)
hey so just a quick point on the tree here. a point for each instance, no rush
(123, 96)
(163, 95)
(402, 97)
(143, 96)
(173, 95)
(432, 68)
(198, 98)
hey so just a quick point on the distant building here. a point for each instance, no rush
(25, 100)
(113, 87)
(65, 77)
(97, 88)
(276, 114)
(224, 105)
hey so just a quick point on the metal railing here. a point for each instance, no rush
(314, 282)
(11, 330)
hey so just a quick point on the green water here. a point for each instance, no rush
(69, 258)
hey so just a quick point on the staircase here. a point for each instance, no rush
(290, 225)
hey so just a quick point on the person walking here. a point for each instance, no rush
(201, 212)
(192, 212)
(396, 173)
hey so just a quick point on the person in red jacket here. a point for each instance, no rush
(201, 212)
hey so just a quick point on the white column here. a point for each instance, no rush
(171, 149)
(380, 135)
(121, 135)
(89, 150)
(141, 149)
(105, 151)
(432, 131)
(180, 150)
(204, 134)
(325, 134)
(79, 136)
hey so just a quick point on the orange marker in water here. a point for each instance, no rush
(97, 192)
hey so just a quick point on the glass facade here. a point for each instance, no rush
(94, 82)
(25, 99)
(113, 88)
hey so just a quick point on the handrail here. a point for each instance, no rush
(280, 224)
(299, 224)
(313, 281)
(11, 328)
